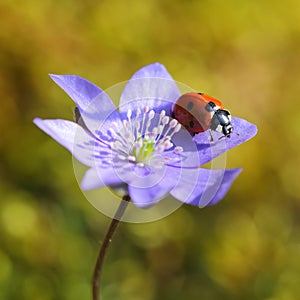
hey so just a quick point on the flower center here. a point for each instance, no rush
(143, 150)
(143, 136)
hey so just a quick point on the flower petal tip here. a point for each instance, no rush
(154, 70)
(55, 77)
(37, 121)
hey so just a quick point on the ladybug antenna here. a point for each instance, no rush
(221, 137)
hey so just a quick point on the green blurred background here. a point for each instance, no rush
(245, 53)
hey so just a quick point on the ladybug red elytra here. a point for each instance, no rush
(198, 112)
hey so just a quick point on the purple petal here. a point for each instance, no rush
(190, 157)
(71, 136)
(229, 176)
(95, 178)
(79, 89)
(243, 131)
(146, 196)
(201, 187)
(94, 105)
(151, 86)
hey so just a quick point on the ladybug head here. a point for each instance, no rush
(224, 120)
(227, 130)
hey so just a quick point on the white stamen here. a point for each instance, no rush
(160, 148)
(165, 120)
(155, 131)
(115, 125)
(160, 129)
(135, 142)
(129, 114)
(122, 157)
(173, 123)
(125, 123)
(138, 145)
(168, 145)
(145, 110)
(116, 145)
(177, 128)
(112, 132)
(178, 149)
(131, 158)
(151, 114)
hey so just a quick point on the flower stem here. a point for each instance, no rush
(107, 239)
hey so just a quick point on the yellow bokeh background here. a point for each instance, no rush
(245, 53)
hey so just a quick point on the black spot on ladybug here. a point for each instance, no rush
(192, 124)
(190, 106)
(200, 93)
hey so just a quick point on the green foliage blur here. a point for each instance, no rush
(246, 53)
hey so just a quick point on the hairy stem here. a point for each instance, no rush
(107, 239)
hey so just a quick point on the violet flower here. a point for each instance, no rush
(139, 149)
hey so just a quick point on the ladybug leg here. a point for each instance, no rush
(211, 136)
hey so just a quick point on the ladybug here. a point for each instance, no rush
(198, 112)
